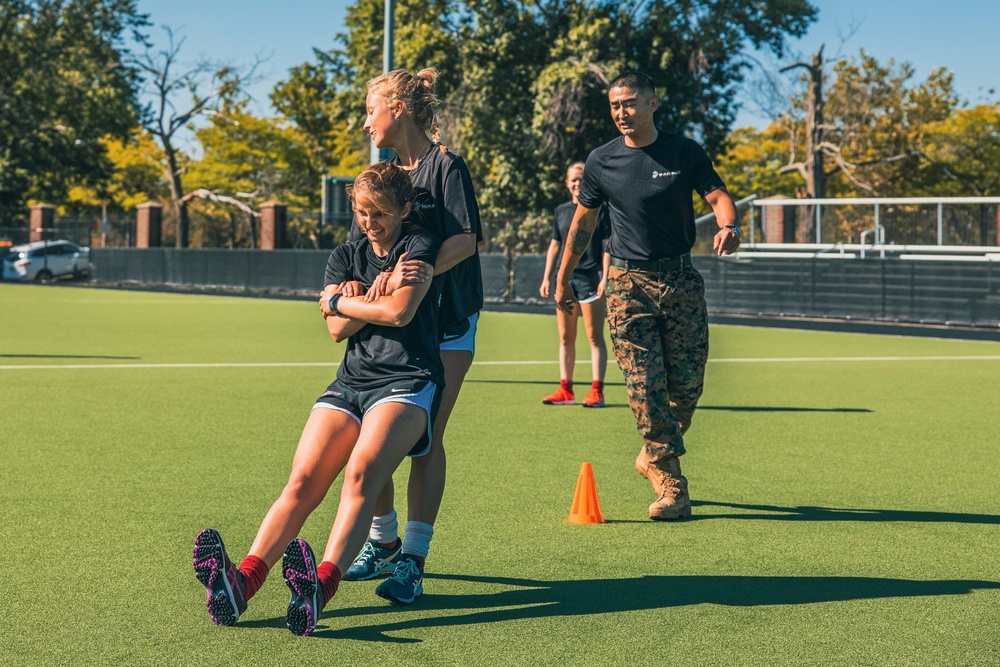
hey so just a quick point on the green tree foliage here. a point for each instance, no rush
(325, 99)
(524, 82)
(249, 160)
(965, 149)
(63, 89)
(879, 120)
(137, 176)
(878, 125)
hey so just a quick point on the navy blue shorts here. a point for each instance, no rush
(422, 393)
(584, 285)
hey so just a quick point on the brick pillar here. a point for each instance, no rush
(40, 222)
(148, 225)
(779, 223)
(273, 220)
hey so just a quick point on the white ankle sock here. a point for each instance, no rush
(418, 538)
(385, 528)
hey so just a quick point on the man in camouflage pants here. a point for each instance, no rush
(656, 298)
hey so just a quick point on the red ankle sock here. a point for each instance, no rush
(598, 385)
(254, 573)
(567, 385)
(329, 579)
(420, 559)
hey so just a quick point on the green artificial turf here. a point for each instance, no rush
(846, 510)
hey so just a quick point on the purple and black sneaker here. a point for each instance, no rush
(299, 568)
(224, 582)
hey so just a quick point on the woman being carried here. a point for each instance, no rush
(379, 409)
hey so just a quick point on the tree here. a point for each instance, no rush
(166, 117)
(870, 126)
(245, 162)
(965, 149)
(524, 81)
(137, 176)
(325, 99)
(64, 87)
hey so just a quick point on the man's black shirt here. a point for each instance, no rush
(648, 194)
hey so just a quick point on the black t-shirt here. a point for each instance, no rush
(592, 258)
(377, 354)
(648, 193)
(446, 205)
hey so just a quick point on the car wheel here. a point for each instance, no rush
(44, 276)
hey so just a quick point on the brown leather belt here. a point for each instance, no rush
(653, 265)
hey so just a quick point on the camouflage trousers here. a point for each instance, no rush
(659, 330)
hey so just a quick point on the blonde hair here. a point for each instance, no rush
(415, 91)
(385, 186)
(576, 165)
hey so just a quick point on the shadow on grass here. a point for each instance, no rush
(548, 383)
(548, 599)
(62, 356)
(771, 408)
(807, 513)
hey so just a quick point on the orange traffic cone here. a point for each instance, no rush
(586, 507)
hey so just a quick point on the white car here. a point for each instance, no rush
(45, 260)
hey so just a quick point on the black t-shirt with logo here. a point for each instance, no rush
(378, 355)
(592, 258)
(446, 205)
(648, 193)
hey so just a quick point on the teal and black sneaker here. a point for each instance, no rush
(299, 567)
(373, 561)
(223, 581)
(406, 583)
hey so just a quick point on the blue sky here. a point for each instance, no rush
(960, 35)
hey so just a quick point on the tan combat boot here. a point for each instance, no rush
(669, 484)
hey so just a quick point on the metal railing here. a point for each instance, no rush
(954, 220)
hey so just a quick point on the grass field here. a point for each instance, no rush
(845, 487)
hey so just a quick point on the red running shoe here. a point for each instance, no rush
(594, 399)
(560, 397)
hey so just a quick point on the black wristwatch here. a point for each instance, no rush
(736, 230)
(332, 303)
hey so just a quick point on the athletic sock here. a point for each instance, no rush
(567, 385)
(254, 573)
(598, 385)
(385, 528)
(418, 541)
(329, 578)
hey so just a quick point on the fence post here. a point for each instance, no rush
(40, 222)
(148, 225)
(273, 220)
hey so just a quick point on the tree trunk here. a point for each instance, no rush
(177, 194)
(815, 175)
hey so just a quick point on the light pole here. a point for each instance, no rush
(378, 155)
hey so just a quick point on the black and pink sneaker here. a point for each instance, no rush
(226, 599)
(298, 565)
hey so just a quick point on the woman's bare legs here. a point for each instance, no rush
(388, 433)
(593, 323)
(324, 449)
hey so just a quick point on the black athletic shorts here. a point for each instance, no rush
(584, 285)
(422, 393)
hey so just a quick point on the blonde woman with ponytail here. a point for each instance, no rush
(401, 116)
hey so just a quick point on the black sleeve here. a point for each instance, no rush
(340, 266)
(603, 224)
(422, 245)
(590, 188)
(461, 209)
(704, 178)
(556, 236)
